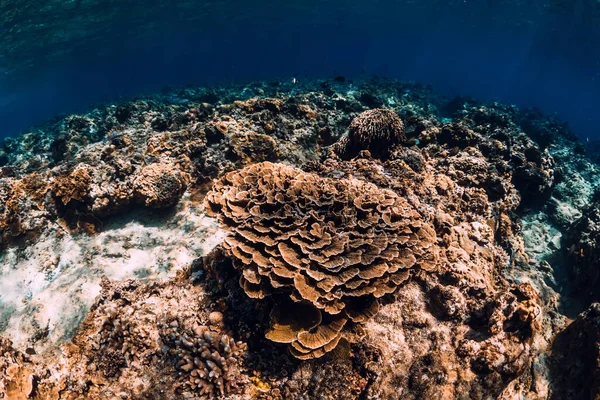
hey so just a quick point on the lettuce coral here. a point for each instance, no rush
(336, 245)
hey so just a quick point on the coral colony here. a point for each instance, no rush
(327, 239)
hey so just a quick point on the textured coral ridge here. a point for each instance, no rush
(338, 245)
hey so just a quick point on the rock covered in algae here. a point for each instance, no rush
(159, 185)
(583, 252)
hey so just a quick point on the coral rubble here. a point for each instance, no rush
(371, 240)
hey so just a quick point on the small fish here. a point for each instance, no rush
(293, 81)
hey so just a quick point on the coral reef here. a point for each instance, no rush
(138, 341)
(455, 319)
(400, 244)
(212, 360)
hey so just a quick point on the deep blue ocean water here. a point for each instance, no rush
(66, 56)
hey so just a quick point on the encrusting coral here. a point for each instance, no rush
(336, 245)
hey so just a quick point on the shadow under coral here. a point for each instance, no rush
(343, 373)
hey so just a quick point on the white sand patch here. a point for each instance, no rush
(47, 288)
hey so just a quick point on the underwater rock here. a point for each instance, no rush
(582, 244)
(164, 345)
(576, 358)
(159, 185)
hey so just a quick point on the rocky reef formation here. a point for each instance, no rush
(370, 240)
(576, 363)
(583, 252)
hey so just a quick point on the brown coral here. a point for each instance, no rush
(74, 185)
(253, 147)
(337, 245)
(374, 130)
(210, 359)
(159, 185)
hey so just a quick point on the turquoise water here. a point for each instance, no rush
(64, 56)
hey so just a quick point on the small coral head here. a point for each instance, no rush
(375, 130)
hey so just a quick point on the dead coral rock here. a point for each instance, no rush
(576, 358)
(74, 185)
(22, 377)
(18, 382)
(337, 245)
(159, 185)
(374, 130)
(16, 378)
(336, 379)
(253, 147)
(22, 206)
(424, 356)
(458, 135)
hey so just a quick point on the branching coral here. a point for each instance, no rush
(374, 130)
(210, 359)
(334, 245)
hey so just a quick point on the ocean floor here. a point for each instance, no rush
(300, 240)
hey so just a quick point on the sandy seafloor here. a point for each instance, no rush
(109, 282)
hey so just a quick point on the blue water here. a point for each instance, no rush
(530, 53)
